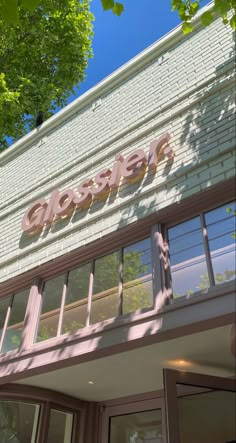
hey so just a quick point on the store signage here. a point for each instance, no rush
(62, 204)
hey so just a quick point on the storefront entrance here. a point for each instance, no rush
(197, 408)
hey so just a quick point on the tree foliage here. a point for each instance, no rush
(44, 48)
(43, 54)
(187, 9)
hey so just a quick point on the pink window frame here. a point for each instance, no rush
(142, 405)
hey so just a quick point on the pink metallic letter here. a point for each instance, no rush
(65, 203)
(134, 165)
(33, 218)
(156, 149)
(86, 198)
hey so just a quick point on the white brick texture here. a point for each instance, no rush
(190, 94)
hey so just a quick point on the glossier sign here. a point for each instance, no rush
(62, 204)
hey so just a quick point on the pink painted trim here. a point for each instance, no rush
(90, 294)
(205, 200)
(129, 320)
(129, 408)
(172, 378)
(22, 392)
(86, 351)
(63, 300)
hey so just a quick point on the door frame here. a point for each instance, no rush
(173, 377)
(129, 408)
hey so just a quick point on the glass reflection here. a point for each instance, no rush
(18, 422)
(50, 309)
(105, 288)
(75, 312)
(12, 338)
(3, 312)
(60, 427)
(187, 257)
(139, 427)
(220, 225)
(137, 276)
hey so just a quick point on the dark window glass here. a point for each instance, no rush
(138, 427)
(3, 311)
(105, 289)
(18, 422)
(12, 338)
(60, 427)
(50, 309)
(187, 257)
(220, 226)
(137, 276)
(75, 312)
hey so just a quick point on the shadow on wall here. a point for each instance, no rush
(211, 127)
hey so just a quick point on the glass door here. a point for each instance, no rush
(199, 408)
(139, 422)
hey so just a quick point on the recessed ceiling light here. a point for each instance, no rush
(180, 363)
(91, 382)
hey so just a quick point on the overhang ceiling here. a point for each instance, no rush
(140, 370)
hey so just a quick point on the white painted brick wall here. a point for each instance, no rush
(190, 94)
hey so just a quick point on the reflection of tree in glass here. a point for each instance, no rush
(135, 293)
(13, 425)
(137, 289)
(205, 282)
(219, 278)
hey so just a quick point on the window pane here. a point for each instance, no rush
(18, 422)
(220, 227)
(187, 257)
(137, 276)
(140, 427)
(105, 289)
(50, 308)
(75, 313)
(15, 325)
(3, 311)
(215, 411)
(60, 427)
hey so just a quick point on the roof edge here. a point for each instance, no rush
(90, 96)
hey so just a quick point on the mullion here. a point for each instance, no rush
(62, 307)
(90, 293)
(207, 251)
(120, 284)
(6, 322)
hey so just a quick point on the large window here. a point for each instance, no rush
(24, 422)
(18, 422)
(202, 251)
(112, 285)
(12, 316)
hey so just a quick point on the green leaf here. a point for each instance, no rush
(118, 8)
(234, 235)
(107, 4)
(9, 11)
(233, 22)
(207, 18)
(195, 6)
(187, 27)
(30, 5)
(228, 209)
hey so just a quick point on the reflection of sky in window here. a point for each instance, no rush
(185, 241)
(220, 226)
(187, 257)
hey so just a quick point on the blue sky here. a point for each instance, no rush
(118, 39)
